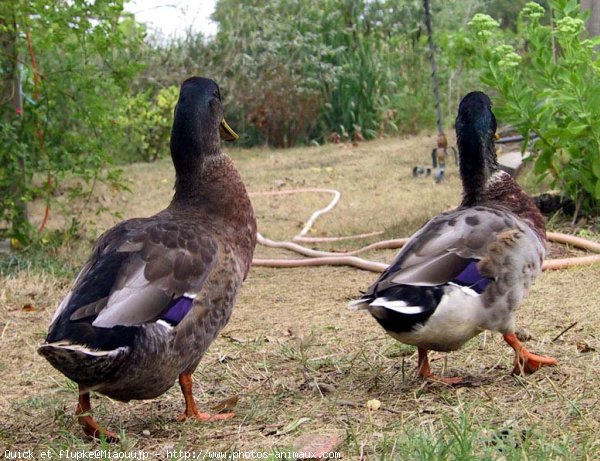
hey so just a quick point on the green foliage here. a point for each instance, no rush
(360, 93)
(68, 127)
(46, 255)
(168, 62)
(12, 151)
(300, 70)
(380, 76)
(146, 124)
(294, 71)
(277, 73)
(549, 86)
(507, 11)
(460, 437)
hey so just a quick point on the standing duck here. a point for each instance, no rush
(468, 269)
(157, 291)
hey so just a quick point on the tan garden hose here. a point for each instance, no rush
(330, 258)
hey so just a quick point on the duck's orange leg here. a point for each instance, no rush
(426, 373)
(185, 381)
(88, 423)
(525, 361)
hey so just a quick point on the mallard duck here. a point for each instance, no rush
(468, 269)
(156, 291)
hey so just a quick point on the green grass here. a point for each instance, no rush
(39, 261)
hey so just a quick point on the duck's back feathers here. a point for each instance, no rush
(157, 291)
(444, 247)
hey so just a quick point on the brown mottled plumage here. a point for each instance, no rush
(466, 270)
(505, 191)
(157, 291)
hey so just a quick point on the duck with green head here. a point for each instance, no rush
(157, 291)
(466, 270)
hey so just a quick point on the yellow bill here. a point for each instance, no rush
(226, 132)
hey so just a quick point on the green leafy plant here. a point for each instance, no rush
(277, 73)
(73, 63)
(293, 72)
(548, 85)
(146, 124)
(300, 70)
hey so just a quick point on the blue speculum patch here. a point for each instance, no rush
(178, 310)
(472, 278)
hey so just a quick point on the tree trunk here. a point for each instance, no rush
(436, 90)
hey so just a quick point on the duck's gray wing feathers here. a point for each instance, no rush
(140, 266)
(442, 249)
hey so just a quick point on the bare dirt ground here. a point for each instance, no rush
(299, 362)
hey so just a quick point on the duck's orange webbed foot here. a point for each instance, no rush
(90, 427)
(191, 411)
(526, 362)
(426, 373)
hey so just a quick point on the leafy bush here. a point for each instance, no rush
(276, 71)
(294, 71)
(380, 85)
(72, 98)
(299, 70)
(549, 86)
(146, 124)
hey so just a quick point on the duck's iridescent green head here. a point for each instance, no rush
(475, 114)
(198, 125)
(475, 135)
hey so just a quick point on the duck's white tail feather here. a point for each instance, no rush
(78, 348)
(398, 306)
(358, 305)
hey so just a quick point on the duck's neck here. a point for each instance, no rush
(190, 143)
(502, 189)
(217, 190)
(196, 179)
(191, 150)
(477, 164)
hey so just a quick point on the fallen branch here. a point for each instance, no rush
(563, 332)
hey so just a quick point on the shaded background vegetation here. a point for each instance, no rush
(97, 91)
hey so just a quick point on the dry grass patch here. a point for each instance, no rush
(299, 361)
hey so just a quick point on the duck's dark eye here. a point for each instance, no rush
(217, 94)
